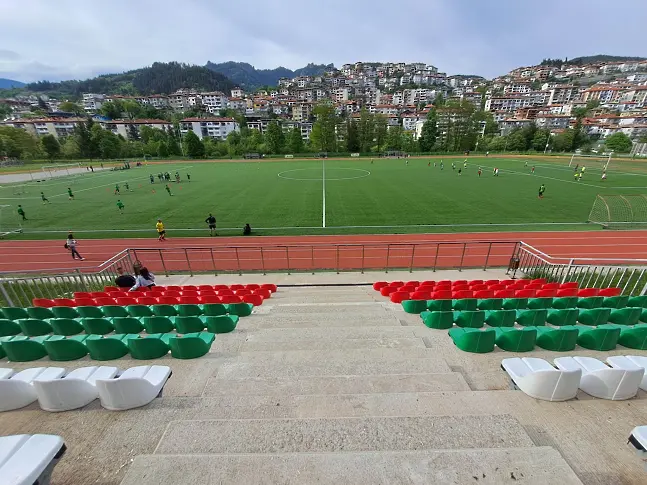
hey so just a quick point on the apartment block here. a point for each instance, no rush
(126, 128)
(216, 128)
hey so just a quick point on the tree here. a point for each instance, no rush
(366, 131)
(70, 107)
(516, 141)
(193, 147)
(295, 141)
(20, 144)
(563, 142)
(323, 136)
(498, 143)
(133, 110)
(540, 140)
(381, 127)
(109, 145)
(429, 132)
(642, 139)
(70, 148)
(274, 136)
(88, 147)
(174, 148)
(112, 109)
(394, 138)
(352, 136)
(618, 142)
(162, 150)
(51, 146)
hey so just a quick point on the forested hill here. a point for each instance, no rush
(581, 61)
(160, 78)
(249, 78)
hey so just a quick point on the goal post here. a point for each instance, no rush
(619, 211)
(62, 170)
(602, 161)
(9, 220)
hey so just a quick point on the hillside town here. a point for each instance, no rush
(605, 98)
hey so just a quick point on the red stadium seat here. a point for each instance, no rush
(269, 286)
(64, 302)
(125, 301)
(99, 294)
(189, 288)
(492, 282)
(534, 286)
(478, 287)
(172, 288)
(444, 282)
(420, 295)
(82, 294)
(243, 292)
(524, 281)
(543, 293)
(585, 292)
(378, 285)
(564, 292)
(101, 301)
(209, 299)
(225, 292)
(172, 293)
(459, 295)
(146, 300)
(157, 289)
(539, 280)
(227, 299)
(109, 289)
(508, 282)
(236, 287)
(43, 302)
(167, 300)
(255, 300)
(220, 287)
(399, 296)
(550, 286)
(610, 292)
(207, 292)
(264, 293)
(396, 284)
(252, 286)
(484, 294)
(85, 302)
(569, 284)
(413, 283)
(504, 294)
(525, 293)
(515, 287)
(387, 290)
(460, 287)
(459, 282)
(189, 300)
(442, 295)
(496, 287)
(205, 287)
(475, 282)
(408, 289)
(428, 283)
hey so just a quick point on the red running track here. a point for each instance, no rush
(50, 255)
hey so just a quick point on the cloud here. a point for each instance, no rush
(79, 39)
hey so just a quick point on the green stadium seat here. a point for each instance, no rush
(469, 319)
(240, 309)
(9, 328)
(500, 318)
(126, 325)
(563, 317)
(164, 310)
(148, 347)
(604, 337)
(414, 306)
(590, 302)
(540, 303)
(40, 313)
(565, 302)
(191, 345)
(24, 349)
(625, 316)
(532, 318)
(557, 339)
(490, 304)
(3, 354)
(33, 328)
(515, 303)
(465, 304)
(439, 305)
(643, 316)
(189, 324)
(158, 324)
(214, 309)
(221, 324)
(594, 316)
(65, 312)
(188, 310)
(115, 311)
(66, 326)
(139, 311)
(438, 319)
(60, 348)
(97, 326)
(634, 337)
(473, 339)
(637, 301)
(615, 301)
(516, 339)
(13, 313)
(109, 347)
(88, 311)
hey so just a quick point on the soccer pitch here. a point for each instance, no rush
(334, 196)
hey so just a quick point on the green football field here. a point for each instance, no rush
(323, 197)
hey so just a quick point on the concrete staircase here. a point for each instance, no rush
(336, 386)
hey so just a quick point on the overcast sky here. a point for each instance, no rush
(76, 39)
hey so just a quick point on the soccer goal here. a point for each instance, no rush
(619, 211)
(63, 170)
(595, 161)
(9, 221)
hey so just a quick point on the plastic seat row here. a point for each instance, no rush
(29, 459)
(116, 311)
(61, 348)
(613, 302)
(530, 289)
(148, 299)
(378, 285)
(57, 390)
(618, 380)
(252, 286)
(399, 295)
(638, 441)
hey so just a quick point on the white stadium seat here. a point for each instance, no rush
(29, 459)
(630, 362)
(136, 387)
(540, 380)
(17, 391)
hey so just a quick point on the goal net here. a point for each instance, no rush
(63, 170)
(619, 211)
(594, 161)
(9, 220)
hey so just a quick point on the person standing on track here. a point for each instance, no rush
(211, 220)
(71, 243)
(161, 232)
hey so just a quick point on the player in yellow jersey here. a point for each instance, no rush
(161, 232)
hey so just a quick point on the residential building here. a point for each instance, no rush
(214, 102)
(129, 128)
(92, 102)
(216, 128)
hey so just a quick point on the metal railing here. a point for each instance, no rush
(628, 274)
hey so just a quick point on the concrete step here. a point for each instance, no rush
(530, 466)
(365, 343)
(241, 370)
(318, 333)
(346, 355)
(336, 385)
(327, 307)
(342, 434)
(293, 320)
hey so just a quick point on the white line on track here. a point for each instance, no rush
(323, 190)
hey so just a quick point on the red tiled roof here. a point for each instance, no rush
(189, 120)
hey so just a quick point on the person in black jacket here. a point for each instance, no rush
(124, 280)
(211, 220)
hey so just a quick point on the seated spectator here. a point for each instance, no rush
(145, 279)
(124, 280)
(247, 230)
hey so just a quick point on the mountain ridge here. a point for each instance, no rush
(246, 76)
(10, 83)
